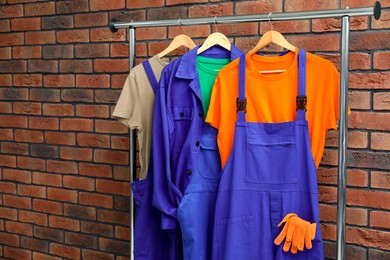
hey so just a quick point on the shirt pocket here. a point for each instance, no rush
(209, 162)
(182, 117)
(272, 159)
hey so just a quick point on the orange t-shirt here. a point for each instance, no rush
(271, 97)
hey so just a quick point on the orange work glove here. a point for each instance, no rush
(298, 233)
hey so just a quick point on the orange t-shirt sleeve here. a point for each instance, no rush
(214, 113)
(332, 112)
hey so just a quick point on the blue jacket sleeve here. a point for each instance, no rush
(166, 196)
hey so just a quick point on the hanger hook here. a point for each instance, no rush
(215, 23)
(179, 22)
(269, 20)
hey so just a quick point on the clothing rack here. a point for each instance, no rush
(345, 14)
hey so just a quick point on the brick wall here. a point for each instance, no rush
(64, 190)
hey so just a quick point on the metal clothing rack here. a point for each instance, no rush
(345, 14)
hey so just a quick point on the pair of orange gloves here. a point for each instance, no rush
(297, 232)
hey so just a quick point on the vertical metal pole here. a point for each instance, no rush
(343, 140)
(132, 146)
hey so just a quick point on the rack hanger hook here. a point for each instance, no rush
(215, 23)
(179, 22)
(269, 20)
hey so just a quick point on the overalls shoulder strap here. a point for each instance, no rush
(301, 100)
(241, 100)
(150, 74)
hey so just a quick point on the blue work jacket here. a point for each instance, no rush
(178, 122)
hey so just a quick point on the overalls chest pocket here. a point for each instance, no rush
(209, 162)
(272, 159)
(182, 117)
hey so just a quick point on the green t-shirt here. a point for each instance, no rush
(208, 69)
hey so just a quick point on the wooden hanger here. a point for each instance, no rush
(272, 37)
(178, 41)
(215, 39)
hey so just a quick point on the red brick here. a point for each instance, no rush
(40, 256)
(76, 66)
(95, 170)
(47, 95)
(57, 22)
(101, 111)
(328, 232)
(78, 95)
(91, 20)
(286, 26)
(100, 229)
(7, 187)
(39, 9)
(49, 234)
(327, 194)
(31, 163)
(46, 37)
(80, 211)
(61, 166)
(32, 191)
(58, 81)
(380, 141)
(58, 51)
(155, 33)
(96, 200)
(114, 246)
(97, 5)
(28, 136)
(6, 80)
(17, 202)
(380, 219)
(334, 24)
(13, 121)
(258, 7)
(121, 143)
(380, 180)
(370, 81)
(79, 183)
(133, 4)
(17, 175)
(18, 228)
(25, 24)
(381, 100)
(50, 66)
(114, 157)
(356, 216)
(13, 66)
(113, 187)
(117, 81)
(34, 244)
(28, 80)
(65, 251)
(58, 110)
(93, 50)
(5, 107)
(359, 100)
(358, 178)
(362, 3)
(79, 154)
(210, 10)
(47, 206)
(6, 134)
(5, 26)
(382, 60)
(327, 213)
(370, 120)
(16, 253)
(62, 195)
(44, 123)
(314, 42)
(105, 65)
(7, 213)
(75, 6)
(14, 94)
(33, 217)
(116, 217)
(376, 40)
(14, 148)
(383, 22)
(194, 31)
(84, 241)
(65, 223)
(368, 238)
(5, 53)
(27, 108)
(60, 137)
(372, 199)
(10, 39)
(356, 139)
(121, 173)
(93, 140)
(365, 159)
(119, 50)
(75, 124)
(93, 81)
(47, 179)
(113, 127)
(10, 11)
(70, 36)
(92, 255)
(122, 233)
(8, 161)
(105, 35)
